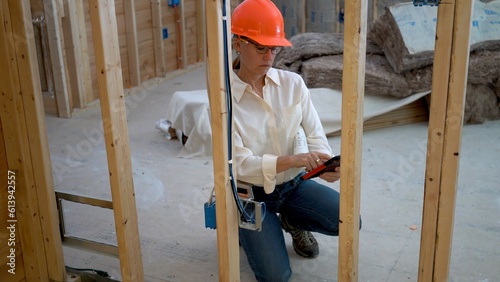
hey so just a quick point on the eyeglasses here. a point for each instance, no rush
(261, 49)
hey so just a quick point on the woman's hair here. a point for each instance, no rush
(236, 63)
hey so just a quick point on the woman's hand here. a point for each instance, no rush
(331, 176)
(310, 160)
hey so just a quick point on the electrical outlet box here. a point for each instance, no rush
(172, 3)
(165, 33)
(210, 220)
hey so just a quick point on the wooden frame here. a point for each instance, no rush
(57, 56)
(133, 51)
(444, 138)
(450, 75)
(77, 55)
(159, 50)
(108, 64)
(226, 213)
(26, 144)
(351, 136)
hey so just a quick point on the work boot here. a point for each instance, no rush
(304, 243)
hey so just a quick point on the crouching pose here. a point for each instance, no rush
(273, 112)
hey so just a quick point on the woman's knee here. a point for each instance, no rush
(275, 276)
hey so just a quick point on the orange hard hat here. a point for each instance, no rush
(260, 21)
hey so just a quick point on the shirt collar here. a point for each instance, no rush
(239, 86)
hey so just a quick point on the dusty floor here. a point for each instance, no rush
(171, 191)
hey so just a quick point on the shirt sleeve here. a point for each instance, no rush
(255, 169)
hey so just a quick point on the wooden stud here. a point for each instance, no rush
(112, 96)
(444, 141)
(46, 57)
(352, 132)
(37, 135)
(61, 87)
(73, 51)
(26, 144)
(302, 16)
(201, 40)
(337, 22)
(84, 55)
(437, 119)
(14, 127)
(182, 36)
(226, 213)
(159, 50)
(375, 10)
(132, 45)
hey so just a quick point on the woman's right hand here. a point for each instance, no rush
(310, 160)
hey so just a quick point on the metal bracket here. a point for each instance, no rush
(82, 243)
(253, 208)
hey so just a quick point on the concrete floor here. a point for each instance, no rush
(171, 192)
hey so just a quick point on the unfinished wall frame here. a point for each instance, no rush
(450, 74)
(25, 146)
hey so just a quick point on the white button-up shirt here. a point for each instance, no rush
(265, 128)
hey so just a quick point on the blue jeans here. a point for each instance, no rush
(307, 205)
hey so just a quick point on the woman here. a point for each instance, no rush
(271, 108)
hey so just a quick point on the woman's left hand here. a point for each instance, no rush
(331, 176)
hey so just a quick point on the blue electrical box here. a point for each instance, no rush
(210, 218)
(165, 33)
(173, 3)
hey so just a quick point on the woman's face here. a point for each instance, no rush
(255, 58)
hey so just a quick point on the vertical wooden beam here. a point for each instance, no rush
(23, 121)
(109, 75)
(226, 213)
(352, 131)
(159, 50)
(61, 87)
(302, 16)
(16, 143)
(201, 40)
(84, 55)
(337, 22)
(182, 18)
(37, 135)
(444, 140)
(132, 45)
(78, 61)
